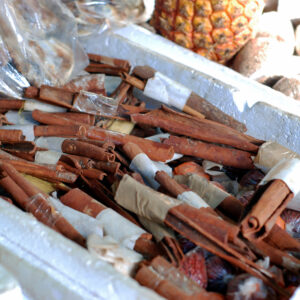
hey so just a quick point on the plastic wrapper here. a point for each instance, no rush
(95, 104)
(39, 45)
(95, 16)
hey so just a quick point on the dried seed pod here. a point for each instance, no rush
(193, 266)
(219, 272)
(247, 287)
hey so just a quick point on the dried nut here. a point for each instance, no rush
(193, 266)
(247, 287)
(289, 86)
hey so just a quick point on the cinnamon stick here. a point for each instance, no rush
(104, 69)
(62, 119)
(42, 171)
(201, 129)
(11, 135)
(280, 239)
(60, 131)
(133, 81)
(110, 61)
(110, 167)
(186, 100)
(11, 104)
(78, 162)
(56, 96)
(25, 147)
(270, 202)
(80, 201)
(93, 174)
(155, 151)
(224, 156)
(87, 150)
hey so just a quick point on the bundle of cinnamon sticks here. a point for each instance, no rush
(180, 200)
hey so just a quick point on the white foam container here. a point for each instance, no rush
(268, 114)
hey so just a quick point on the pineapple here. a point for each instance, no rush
(216, 29)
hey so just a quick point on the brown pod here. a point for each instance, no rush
(87, 150)
(14, 135)
(82, 202)
(60, 131)
(224, 156)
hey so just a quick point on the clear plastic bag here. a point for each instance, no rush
(96, 16)
(38, 40)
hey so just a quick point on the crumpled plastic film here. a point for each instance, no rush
(39, 206)
(96, 16)
(38, 42)
(95, 104)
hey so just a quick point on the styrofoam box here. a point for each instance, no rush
(268, 114)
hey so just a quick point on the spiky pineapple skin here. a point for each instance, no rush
(216, 29)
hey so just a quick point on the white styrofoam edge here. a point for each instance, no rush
(276, 120)
(51, 267)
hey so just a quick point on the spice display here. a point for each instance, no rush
(186, 205)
